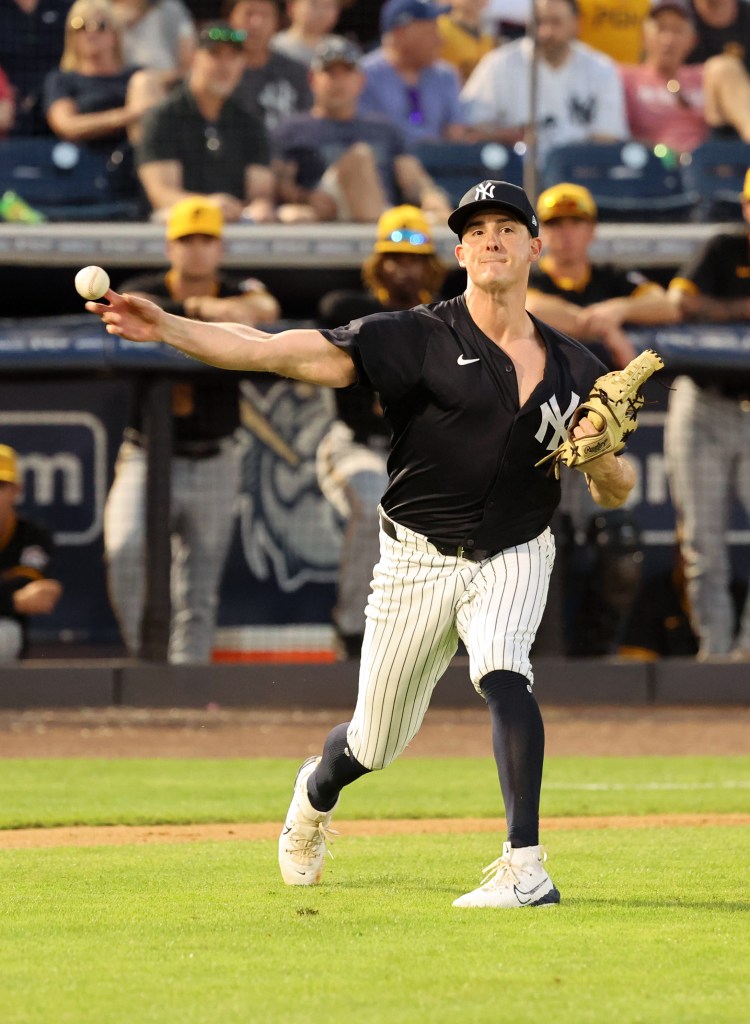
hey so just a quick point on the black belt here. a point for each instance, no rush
(449, 550)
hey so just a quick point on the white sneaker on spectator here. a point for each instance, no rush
(304, 838)
(517, 879)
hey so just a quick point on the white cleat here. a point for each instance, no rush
(304, 838)
(517, 879)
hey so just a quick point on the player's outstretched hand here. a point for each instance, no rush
(130, 316)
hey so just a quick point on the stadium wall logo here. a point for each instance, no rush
(63, 460)
(289, 532)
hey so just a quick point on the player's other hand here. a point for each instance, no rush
(38, 597)
(130, 316)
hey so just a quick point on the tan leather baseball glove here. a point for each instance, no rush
(612, 407)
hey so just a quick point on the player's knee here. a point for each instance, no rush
(373, 761)
(501, 681)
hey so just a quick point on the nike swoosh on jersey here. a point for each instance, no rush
(463, 361)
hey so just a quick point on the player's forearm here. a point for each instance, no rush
(652, 307)
(558, 313)
(299, 354)
(610, 480)
(226, 345)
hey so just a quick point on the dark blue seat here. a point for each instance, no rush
(456, 166)
(627, 179)
(69, 182)
(716, 170)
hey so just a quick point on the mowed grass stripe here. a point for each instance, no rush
(46, 793)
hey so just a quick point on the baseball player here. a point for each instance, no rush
(25, 553)
(205, 469)
(476, 392)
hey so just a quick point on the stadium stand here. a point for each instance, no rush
(716, 171)
(628, 180)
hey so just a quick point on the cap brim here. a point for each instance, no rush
(457, 220)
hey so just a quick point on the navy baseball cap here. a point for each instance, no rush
(403, 12)
(336, 50)
(500, 194)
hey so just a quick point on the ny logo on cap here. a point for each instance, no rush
(485, 191)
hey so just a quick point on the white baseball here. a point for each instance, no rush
(92, 282)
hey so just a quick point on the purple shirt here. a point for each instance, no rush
(422, 112)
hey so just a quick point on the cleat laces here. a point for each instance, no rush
(304, 842)
(501, 871)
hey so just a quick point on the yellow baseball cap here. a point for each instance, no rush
(566, 200)
(746, 189)
(8, 464)
(404, 229)
(194, 216)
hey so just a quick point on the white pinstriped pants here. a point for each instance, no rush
(421, 603)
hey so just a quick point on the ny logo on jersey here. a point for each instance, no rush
(484, 191)
(552, 417)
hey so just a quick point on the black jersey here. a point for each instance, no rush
(214, 407)
(25, 554)
(721, 270)
(602, 282)
(461, 468)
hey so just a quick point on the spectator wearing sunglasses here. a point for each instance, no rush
(201, 141)
(95, 97)
(336, 164)
(402, 271)
(406, 79)
(664, 96)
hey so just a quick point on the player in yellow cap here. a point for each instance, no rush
(25, 553)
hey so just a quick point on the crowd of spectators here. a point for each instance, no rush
(290, 111)
(113, 75)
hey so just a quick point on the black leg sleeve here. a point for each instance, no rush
(337, 768)
(518, 745)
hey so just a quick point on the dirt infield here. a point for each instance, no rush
(220, 733)
(121, 835)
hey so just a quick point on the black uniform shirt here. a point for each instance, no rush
(25, 553)
(461, 468)
(603, 282)
(215, 413)
(721, 270)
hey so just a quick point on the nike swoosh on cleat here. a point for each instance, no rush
(463, 361)
(519, 892)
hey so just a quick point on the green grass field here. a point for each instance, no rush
(653, 927)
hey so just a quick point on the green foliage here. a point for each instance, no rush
(96, 792)
(652, 929)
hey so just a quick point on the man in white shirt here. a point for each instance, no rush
(579, 93)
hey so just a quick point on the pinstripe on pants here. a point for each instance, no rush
(421, 603)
